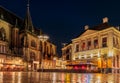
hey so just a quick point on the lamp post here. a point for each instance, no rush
(42, 38)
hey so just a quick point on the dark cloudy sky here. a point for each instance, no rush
(63, 20)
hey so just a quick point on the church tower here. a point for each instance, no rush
(28, 25)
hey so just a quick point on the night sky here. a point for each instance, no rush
(63, 20)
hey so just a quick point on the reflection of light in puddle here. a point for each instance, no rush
(67, 78)
(54, 78)
(84, 78)
(13, 77)
(74, 78)
(63, 77)
(98, 79)
(19, 77)
(1, 77)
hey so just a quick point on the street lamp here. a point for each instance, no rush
(42, 38)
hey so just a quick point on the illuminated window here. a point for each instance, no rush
(96, 43)
(89, 45)
(104, 42)
(115, 42)
(77, 48)
(83, 46)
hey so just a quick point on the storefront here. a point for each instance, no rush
(90, 67)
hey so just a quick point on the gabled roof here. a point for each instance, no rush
(94, 29)
(87, 32)
(10, 17)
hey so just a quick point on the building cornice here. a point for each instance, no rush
(95, 34)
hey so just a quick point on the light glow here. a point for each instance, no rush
(110, 54)
(43, 37)
(91, 55)
(98, 54)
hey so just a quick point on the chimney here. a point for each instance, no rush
(86, 27)
(105, 20)
(118, 28)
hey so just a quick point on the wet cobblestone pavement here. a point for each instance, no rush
(47, 77)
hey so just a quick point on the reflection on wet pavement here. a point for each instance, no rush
(47, 77)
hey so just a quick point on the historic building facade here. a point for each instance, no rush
(97, 47)
(67, 54)
(23, 45)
